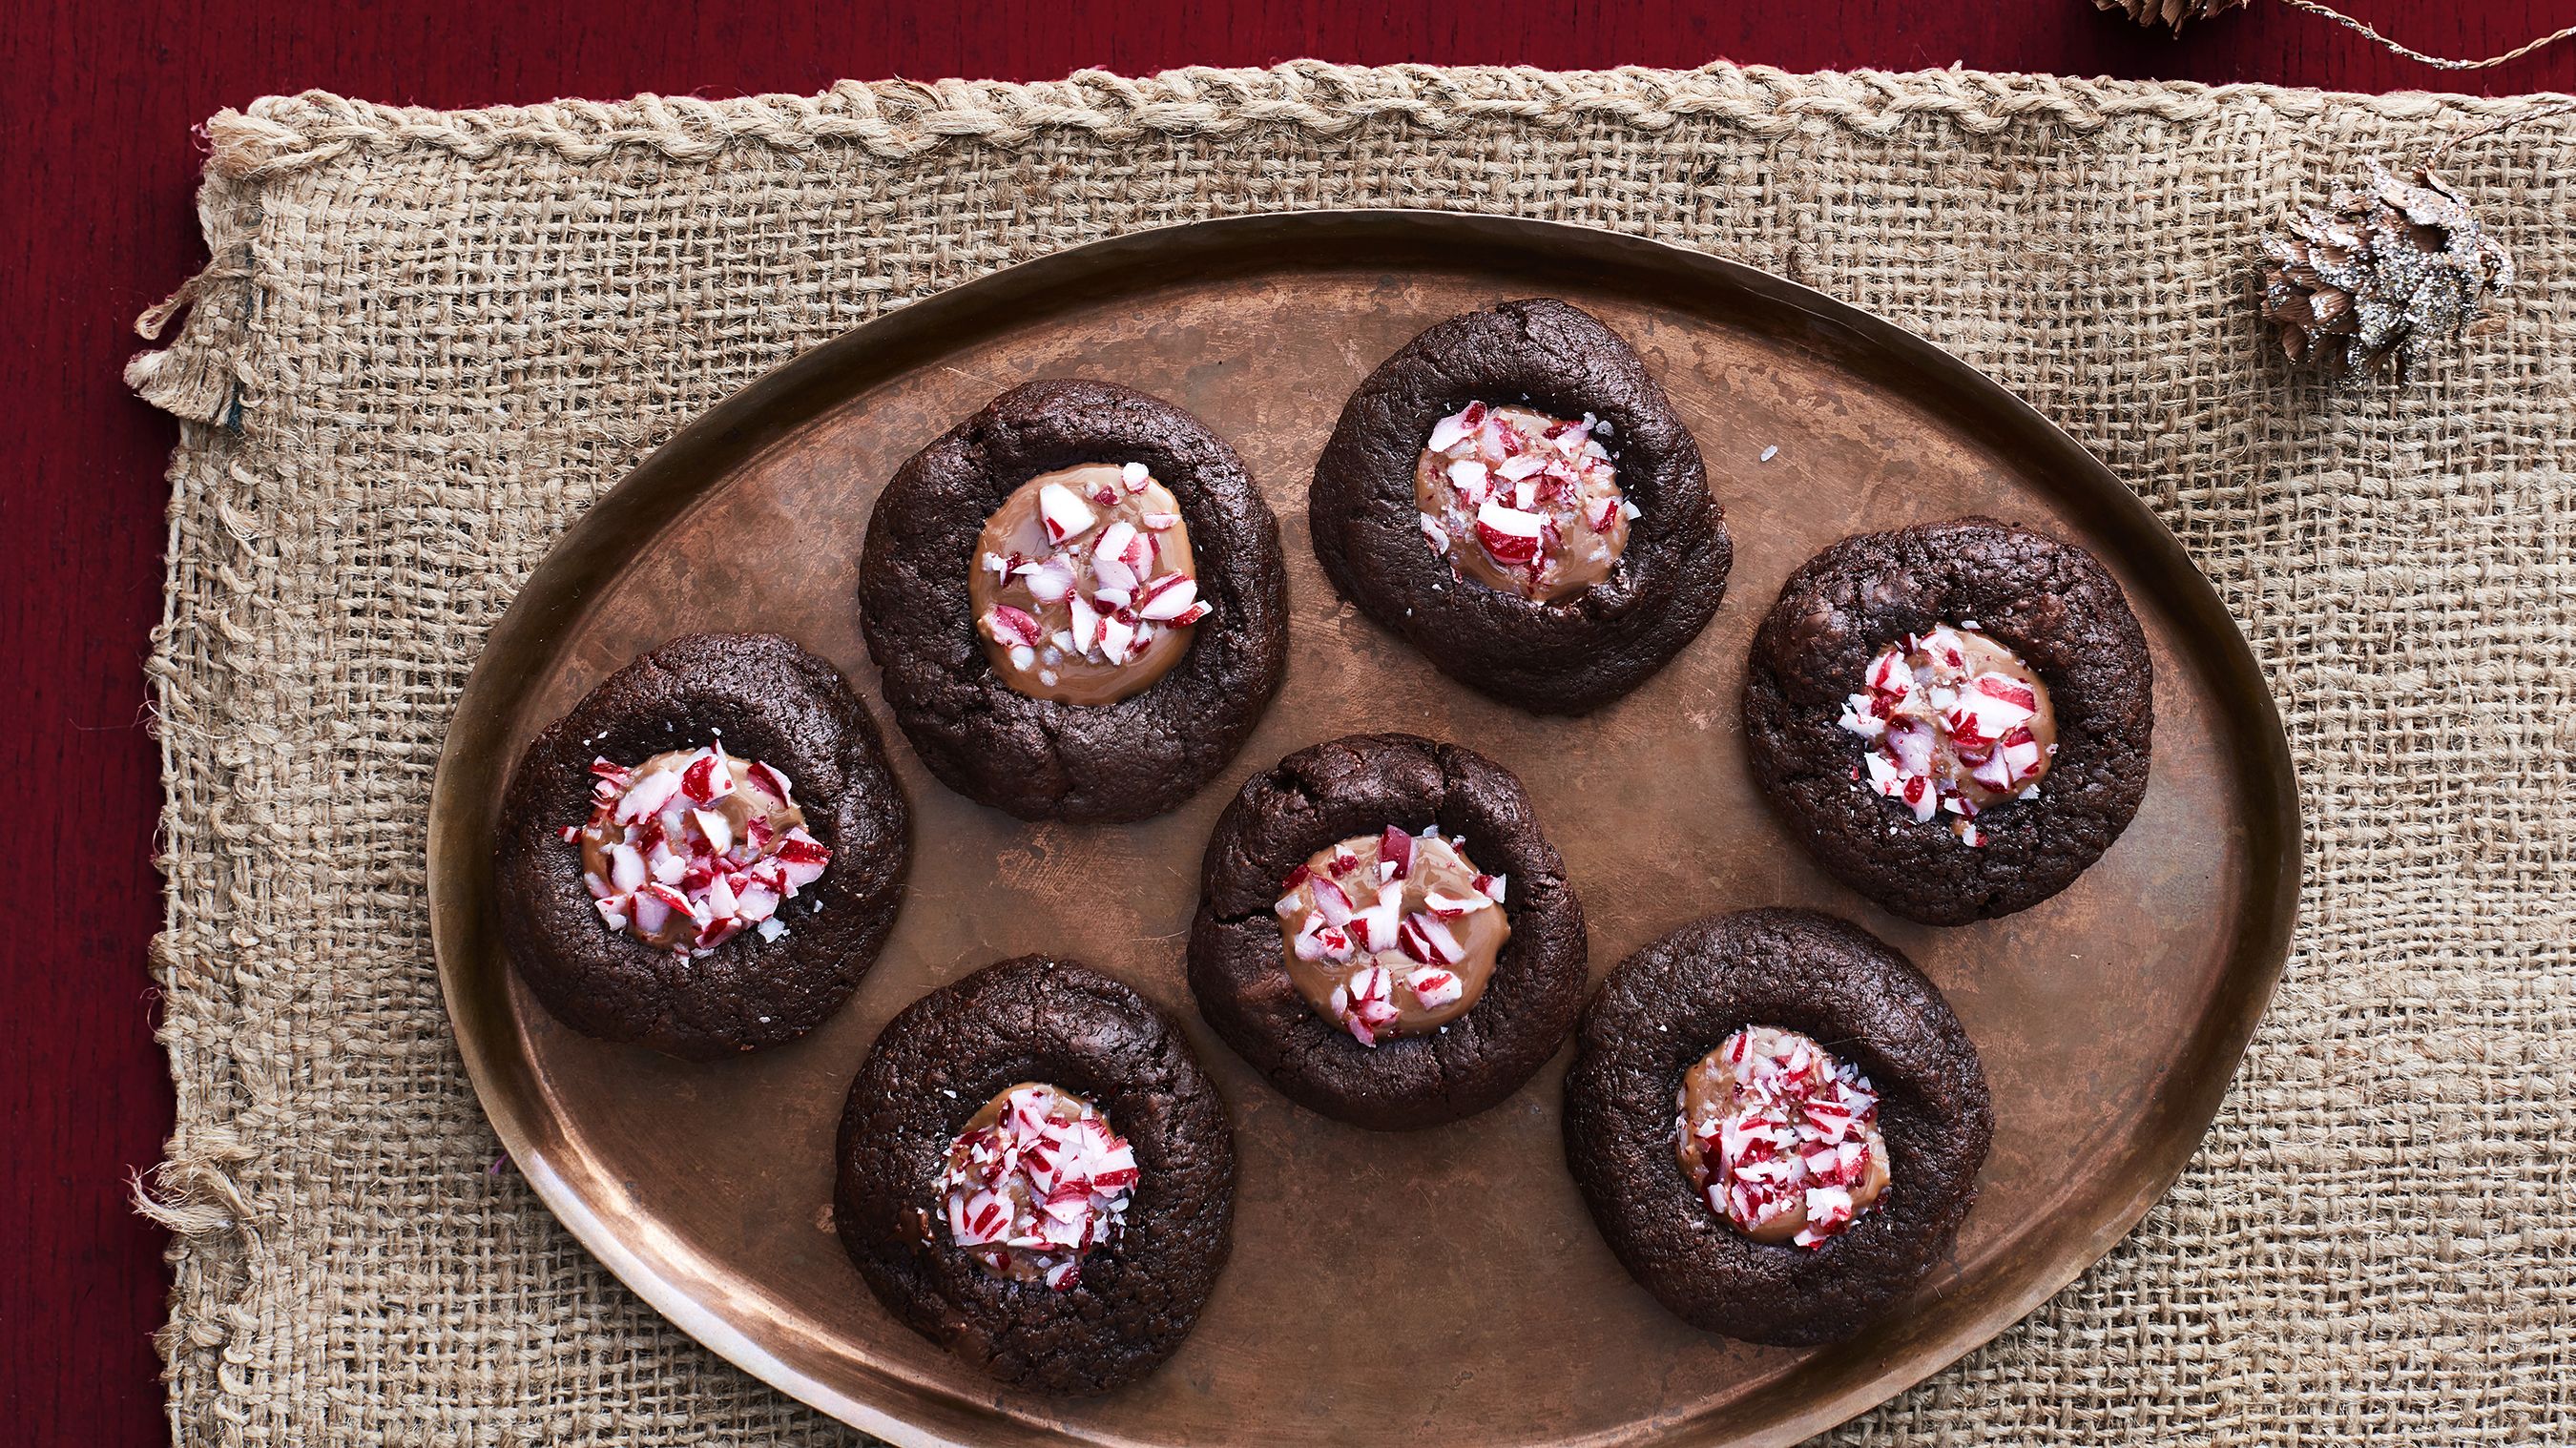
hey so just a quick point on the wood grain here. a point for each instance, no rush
(100, 173)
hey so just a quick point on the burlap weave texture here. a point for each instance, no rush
(425, 341)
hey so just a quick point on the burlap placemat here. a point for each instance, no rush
(426, 340)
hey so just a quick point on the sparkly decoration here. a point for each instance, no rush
(2169, 13)
(2172, 13)
(2381, 275)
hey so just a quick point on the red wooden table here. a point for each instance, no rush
(98, 174)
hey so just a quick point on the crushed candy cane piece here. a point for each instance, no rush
(1095, 585)
(1391, 934)
(1037, 1178)
(691, 846)
(1522, 502)
(1953, 723)
(1780, 1138)
(1064, 512)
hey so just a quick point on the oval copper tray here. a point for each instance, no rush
(1441, 1287)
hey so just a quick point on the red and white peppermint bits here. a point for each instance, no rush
(1064, 512)
(1536, 497)
(1781, 1138)
(691, 847)
(1037, 1179)
(1112, 575)
(1391, 934)
(1954, 723)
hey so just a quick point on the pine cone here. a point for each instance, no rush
(2169, 13)
(2382, 275)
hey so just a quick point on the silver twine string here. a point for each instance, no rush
(2442, 62)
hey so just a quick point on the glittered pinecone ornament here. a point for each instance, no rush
(2381, 275)
(2170, 14)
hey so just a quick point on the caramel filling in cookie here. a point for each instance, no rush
(1083, 586)
(691, 846)
(1522, 502)
(1392, 934)
(1035, 1180)
(1955, 723)
(1780, 1138)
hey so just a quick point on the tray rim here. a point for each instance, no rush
(773, 405)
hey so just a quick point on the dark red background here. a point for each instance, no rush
(98, 172)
